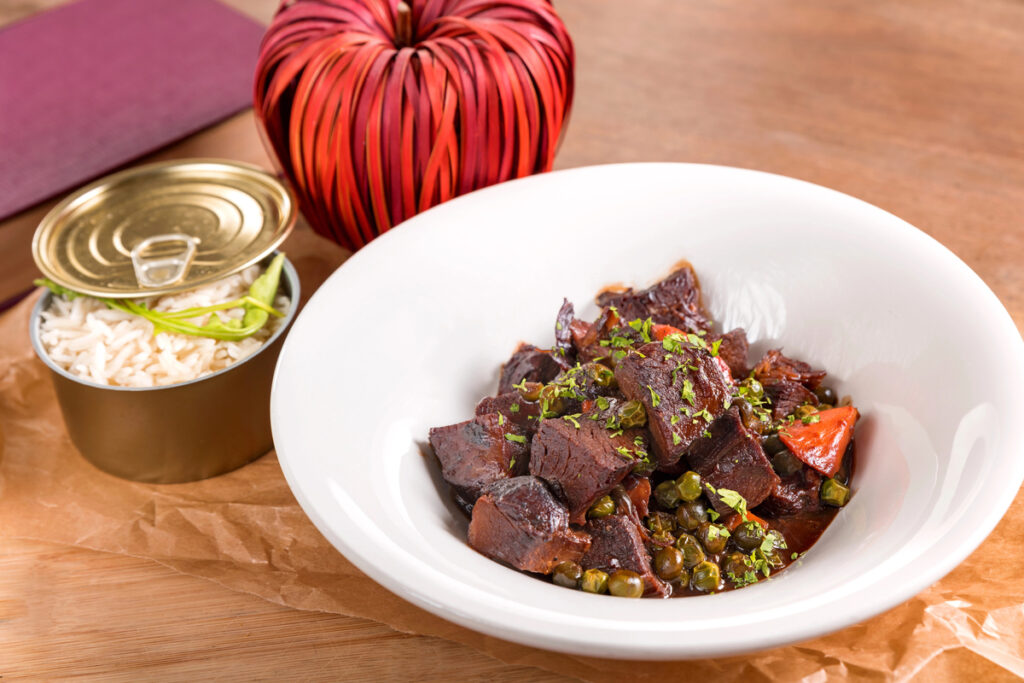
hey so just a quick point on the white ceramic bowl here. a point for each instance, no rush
(410, 333)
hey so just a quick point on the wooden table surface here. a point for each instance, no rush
(914, 105)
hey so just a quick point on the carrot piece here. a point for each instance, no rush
(823, 443)
(587, 406)
(659, 331)
(733, 521)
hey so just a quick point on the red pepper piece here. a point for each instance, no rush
(823, 443)
(660, 331)
(733, 521)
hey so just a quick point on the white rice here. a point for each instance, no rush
(110, 347)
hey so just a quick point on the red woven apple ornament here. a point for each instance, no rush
(378, 109)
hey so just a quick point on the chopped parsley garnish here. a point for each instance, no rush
(676, 440)
(514, 408)
(706, 434)
(624, 452)
(643, 327)
(673, 343)
(516, 437)
(521, 386)
(512, 462)
(675, 419)
(572, 419)
(713, 515)
(715, 346)
(655, 399)
(501, 419)
(689, 395)
(732, 499)
(811, 419)
(602, 403)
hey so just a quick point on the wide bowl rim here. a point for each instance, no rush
(493, 623)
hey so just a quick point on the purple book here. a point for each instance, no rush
(94, 84)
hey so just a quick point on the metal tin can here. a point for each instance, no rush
(150, 231)
(177, 432)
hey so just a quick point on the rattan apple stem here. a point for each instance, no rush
(403, 32)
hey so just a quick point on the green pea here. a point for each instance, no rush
(785, 463)
(626, 584)
(690, 514)
(632, 414)
(567, 574)
(804, 411)
(602, 507)
(773, 444)
(825, 395)
(713, 536)
(666, 494)
(834, 493)
(555, 403)
(660, 521)
(690, 547)
(530, 390)
(705, 577)
(600, 374)
(668, 563)
(735, 566)
(748, 536)
(689, 487)
(594, 581)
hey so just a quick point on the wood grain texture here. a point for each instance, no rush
(73, 613)
(913, 105)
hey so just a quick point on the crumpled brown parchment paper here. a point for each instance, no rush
(245, 531)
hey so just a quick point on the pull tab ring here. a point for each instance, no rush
(163, 269)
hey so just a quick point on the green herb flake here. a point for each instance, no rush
(676, 440)
(501, 419)
(655, 399)
(715, 346)
(514, 408)
(602, 403)
(811, 419)
(516, 437)
(572, 419)
(733, 500)
(688, 394)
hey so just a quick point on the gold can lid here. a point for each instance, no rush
(163, 228)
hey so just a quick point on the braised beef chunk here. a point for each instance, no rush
(785, 396)
(478, 452)
(563, 327)
(683, 390)
(674, 301)
(582, 462)
(798, 492)
(531, 364)
(639, 491)
(519, 521)
(617, 543)
(775, 367)
(523, 413)
(734, 351)
(732, 458)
